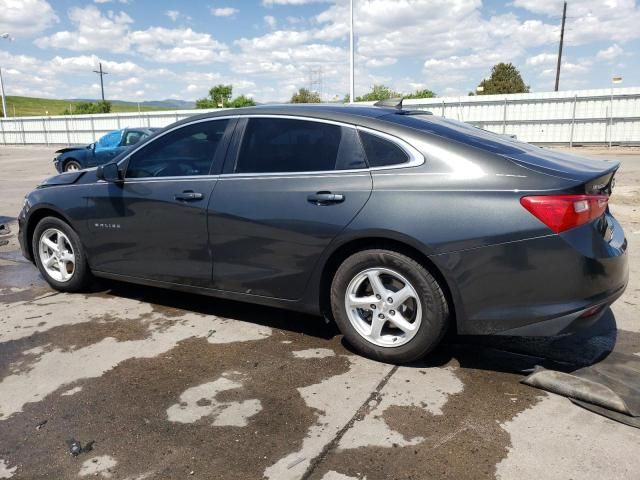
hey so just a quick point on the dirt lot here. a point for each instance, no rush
(172, 385)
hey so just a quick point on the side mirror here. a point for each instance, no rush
(109, 173)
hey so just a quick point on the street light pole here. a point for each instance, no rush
(352, 79)
(4, 101)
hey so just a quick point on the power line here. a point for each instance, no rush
(102, 74)
(564, 18)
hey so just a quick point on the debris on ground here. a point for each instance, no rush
(76, 448)
(41, 424)
(610, 387)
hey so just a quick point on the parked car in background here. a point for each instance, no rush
(72, 159)
(396, 223)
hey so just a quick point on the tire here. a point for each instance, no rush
(72, 166)
(63, 274)
(410, 328)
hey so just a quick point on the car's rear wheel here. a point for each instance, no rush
(388, 306)
(60, 256)
(72, 166)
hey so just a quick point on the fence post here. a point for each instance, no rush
(573, 120)
(44, 128)
(611, 119)
(66, 126)
(118, 121)
(93, 130)
(443, 108)
(148, 120)
(504, 117)
(4, 139)
(24, 136)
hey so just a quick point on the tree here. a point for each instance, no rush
(505, 78)
(378, 92)
(220, 96)
(241, 101)
(102, 106)
(382, 92)
(425, 93)
(305, 96)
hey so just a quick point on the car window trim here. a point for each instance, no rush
(415, 157)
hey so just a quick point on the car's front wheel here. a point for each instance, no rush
(72, 166)
(60, 256)
(388, 306)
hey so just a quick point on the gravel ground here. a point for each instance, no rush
(171, 385)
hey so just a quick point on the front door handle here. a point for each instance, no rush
(188, 196)
(325, 198)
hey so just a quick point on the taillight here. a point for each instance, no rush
(563, 212)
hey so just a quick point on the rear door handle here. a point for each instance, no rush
(188, 196)
(325, 198)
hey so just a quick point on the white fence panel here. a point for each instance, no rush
(569, 117)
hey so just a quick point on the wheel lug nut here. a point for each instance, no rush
(392, 312)
(390, 300)
(380, 316)
(373, 307)
(378, 297)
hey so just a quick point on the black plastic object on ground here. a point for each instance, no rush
(610, 388)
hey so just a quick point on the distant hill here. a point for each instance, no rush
(168, 103)
(31, 106)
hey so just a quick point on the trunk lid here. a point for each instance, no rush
(597, 175)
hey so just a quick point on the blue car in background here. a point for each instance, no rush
(71, 159)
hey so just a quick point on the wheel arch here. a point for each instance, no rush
(34, 218)
(403, 246)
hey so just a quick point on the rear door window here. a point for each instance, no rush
(382, 152)
(272, 145)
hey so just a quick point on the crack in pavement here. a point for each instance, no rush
(360, 413)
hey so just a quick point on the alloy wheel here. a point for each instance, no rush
(57, 255)
(383, 307)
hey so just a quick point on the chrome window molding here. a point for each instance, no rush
(415, 157)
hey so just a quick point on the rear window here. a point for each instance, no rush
(381, 152)
(461, 132)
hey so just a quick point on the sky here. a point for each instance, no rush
(267, 49)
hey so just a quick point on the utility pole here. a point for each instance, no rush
(352, 77)
(102, 74)
(564, 19)
(4, 101)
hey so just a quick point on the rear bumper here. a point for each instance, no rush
(537, 287)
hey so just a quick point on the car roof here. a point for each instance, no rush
(357, 114)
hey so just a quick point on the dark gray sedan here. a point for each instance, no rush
(395, 223)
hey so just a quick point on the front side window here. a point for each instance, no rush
(189, 150)
(271, 145)
(382, 152)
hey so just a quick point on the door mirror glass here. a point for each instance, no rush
(109, 173)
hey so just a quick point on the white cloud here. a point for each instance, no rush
(542, 59)
(611, 53)
(178, 45)
(224, 11)
(93, 31)
(271, 21)
(172, 14)
(26, 17)
(270, 3)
